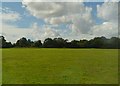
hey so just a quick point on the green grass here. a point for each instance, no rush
(0, 67)
(60, 66)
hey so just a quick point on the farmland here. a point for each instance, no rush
(59, 66)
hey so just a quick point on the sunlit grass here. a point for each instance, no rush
(0, 66)
(60, 66)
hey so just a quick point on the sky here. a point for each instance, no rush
(69, 20)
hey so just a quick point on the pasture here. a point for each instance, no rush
(59, 66)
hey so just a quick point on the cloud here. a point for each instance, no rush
(51, 33)
(53, 9)
(57, 20)
(53, 13)
(53, 0)
(13, 33)
(76, 17)
(108, 11)
(8, 15)
(43, 32)
(107, 29)
(83, 23)
(10, 31)
(111, 0)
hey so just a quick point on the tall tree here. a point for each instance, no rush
(97, 42)
(60, 42)
(37, 44)
(74, 44)
(22, 42)
(83, 43)
(48, 43)
(4, 44)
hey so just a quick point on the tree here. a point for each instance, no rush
(114, 42)
(60, 42)
(74, 44)
(37, 44)
(30, 43)
(97, 42)
(4, 44)
(22, 43)
(48, 43)
(83, 43)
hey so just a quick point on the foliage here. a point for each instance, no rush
(97, 42)
(4, 44)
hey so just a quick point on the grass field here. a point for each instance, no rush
(0, 67)
(60, 66)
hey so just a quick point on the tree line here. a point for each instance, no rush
(97, 42)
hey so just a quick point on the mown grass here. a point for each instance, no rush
(60, 66)
(0, 66)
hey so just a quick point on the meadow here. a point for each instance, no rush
(59, 66)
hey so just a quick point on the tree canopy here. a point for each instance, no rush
(97, 42)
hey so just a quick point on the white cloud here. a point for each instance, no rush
(58, 20)
(50, 33)
(108, 11)
(8, 15)
(13, 33)
(83, 23)
(107, 29)
(111, 0)
(67, 12)
(53, 9)
(43, 32)
(53, 0)
(76, 16)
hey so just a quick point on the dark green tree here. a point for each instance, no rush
(22, 43)
(74, 44)
(4, 44)
(97, 42)
(48, 43)
(37, 44)
(113, 42)
(60, 42)
(83, 43)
